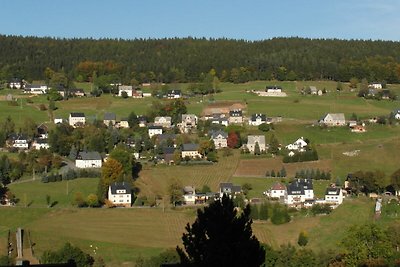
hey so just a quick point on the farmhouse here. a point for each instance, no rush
(15, 84)
(125, 88)
(220, 138)
(334, 196)
(257, 119)
(40, 144)
(120, 194)
(190, 150)
(273, 89)
(77, 119)
(163, 122)
(88, 160)
(154, 130)
(253, 140)
(236, 116)
(20, 141)
(174, 94)
(299, 145)
(109, 119)
(229, 189)
(189, 195)
(299, 191)
(123, 123)
(334, 119)
(277, 190)
(38, 89)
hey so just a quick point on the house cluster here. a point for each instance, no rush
(300, 193)
(24, 142)
(274, 91)
(312, 90)
(191, 197)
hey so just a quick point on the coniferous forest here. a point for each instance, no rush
(188, 59)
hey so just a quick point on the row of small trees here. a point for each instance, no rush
(281, 173)
(313, 174)
(70, 175)
(278, 214)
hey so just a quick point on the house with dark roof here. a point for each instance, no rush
(36, 89)
(334, 196)
(229, 189)
(396, 114)
(40, 144)
(77, 119)
(20, 141)
(257, 119)
(142, 121)
(299, 191)
(236, 116)
(168, 155)
(15, 83)
(154, 130)
(109, 118)
(220, 138)
(120, 194)
(91, 159)
(42, 131)
(190, 150)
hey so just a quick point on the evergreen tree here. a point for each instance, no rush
(303, 239)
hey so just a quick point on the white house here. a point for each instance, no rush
(277, 190)
(299, 191)
(190, 150)
(58, 120)
(77, 119)
(229, 189)
(334, 119)
(298, 145)
(189, 195)
(174, 94)
(123, 123)
(376, 85)
(120, 194)
(40, 144)
(125, 88)
(15, 84)
(220, 139)
(21, 142)
(163, 121)
(252, 140)
(273, 89)
(257, 119)
(109, 118)
(155, 130)
(396, 114)
(36, 89)
(334, 196)
(88, 160)
(189, 121)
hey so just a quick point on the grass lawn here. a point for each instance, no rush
(33, 194)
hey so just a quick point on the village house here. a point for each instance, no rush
(218, 119)
(299, 191)
(58, 120)
(168, 155)
(16, 84)
(257, 119)
(236, 116)
(396, 114)
(298, 145)
(137, 93)
(189, 121)
(163, 121)
(220, 138)
(109, 119)
(189, 195)
(174, 94)
(252, 140)
(375, 85)
(229, 189)
(190, 150)
(142, 121)
(123, 123)
(36, 89)
(278, 190)
(40, 144)
(334, 119)
(128, 89)
(77, 92)
(120, 194)
(20, 141)
(154, 130)
(273, 89)
(42, 131)
(334, 196)
(77, 119)
(88, 160)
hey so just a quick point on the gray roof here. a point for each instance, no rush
(214, 134)
(298, 186)
(91, 155)
(120, 186)
(332, 191)
(255, 116)
(235, 113)
(190, 147)
(110, 116)
(336, 116)
(252, 139)
(229, 187)
(154, 127)
(77, 114)
(165, 137)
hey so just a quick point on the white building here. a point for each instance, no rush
(257, 119)
(155, 130)
(125, 88)
(252, 140)
(376, 85)
(120, 194)
(277, 190)
(88, 160)
(334, 196)
(190, 150)
(299, 191)
(334, 119)
(220, 139)
(77, 119)
(299, 145)
(189, 195)
(36, 89)
(40, 144)
(229, 189)
(21, 142)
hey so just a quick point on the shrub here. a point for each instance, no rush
(264, 127)
(42, 107)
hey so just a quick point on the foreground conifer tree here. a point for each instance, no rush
(221, 237)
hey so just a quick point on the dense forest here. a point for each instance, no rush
(190, 59)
